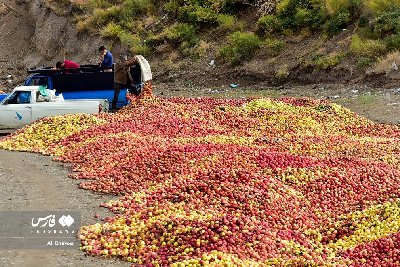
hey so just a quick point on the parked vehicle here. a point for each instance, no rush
(26, 104)
(87, 82)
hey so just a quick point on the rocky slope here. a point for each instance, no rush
(34, 34)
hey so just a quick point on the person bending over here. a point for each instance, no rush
(69, 66)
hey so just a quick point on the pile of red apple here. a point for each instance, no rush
(259, 182)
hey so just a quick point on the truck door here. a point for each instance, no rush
(17, 110)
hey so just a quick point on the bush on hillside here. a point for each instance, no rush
(392, 42)
(311, 18)
(92, 4)
(134, 8)
(235, 6)
(181, 32)
(99, 18)
(199, 15)
(172, 7)
(381, 6)
(329, 61)
(364, 62)
(274, 46)
(226, 22)
(366, 47)
(136, 46)
(387, 23)
(269, 24)
(112, 30)
(241, 46)
(338, 22)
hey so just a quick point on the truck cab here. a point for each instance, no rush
(26, 104)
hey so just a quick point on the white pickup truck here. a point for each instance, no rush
(28, 103)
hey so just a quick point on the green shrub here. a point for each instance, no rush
(226, 22)
(155, 40)
(331, 15)
(308, 18)
(188, 50)
(298, 14)
(183, 37)
(328, 62)
(112, 30)
(363, 21)
(135, 44)
(234, 6)
(134, 8)
(367, 48)
(172, 6)
(200, 15)
(392, 42)
(334, 7)
(139, 48)
(283, 6)
(241, 46)
(102, 16)
(181, 32)
(98, 4)
(338, 22)
(269, 24)
(387, 23)
(379, 6)
(274, 45)
(364, 62)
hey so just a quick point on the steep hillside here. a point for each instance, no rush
(208, 43)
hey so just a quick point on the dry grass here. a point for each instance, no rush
(203, 47)
(282, 72)
(386, 64)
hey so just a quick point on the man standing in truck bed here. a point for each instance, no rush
(107, 61)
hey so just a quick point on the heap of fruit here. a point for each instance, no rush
(259, 182)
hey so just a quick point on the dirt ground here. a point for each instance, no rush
(32, 182)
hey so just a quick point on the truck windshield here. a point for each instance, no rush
(38, 81)
(18, 97)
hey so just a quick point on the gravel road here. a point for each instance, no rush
(32, 182)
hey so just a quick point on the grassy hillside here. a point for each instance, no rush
(240, 29)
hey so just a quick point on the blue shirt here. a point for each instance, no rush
(107, 61)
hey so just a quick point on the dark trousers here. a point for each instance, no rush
(117, 89)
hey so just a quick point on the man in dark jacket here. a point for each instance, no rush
(127, 74)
